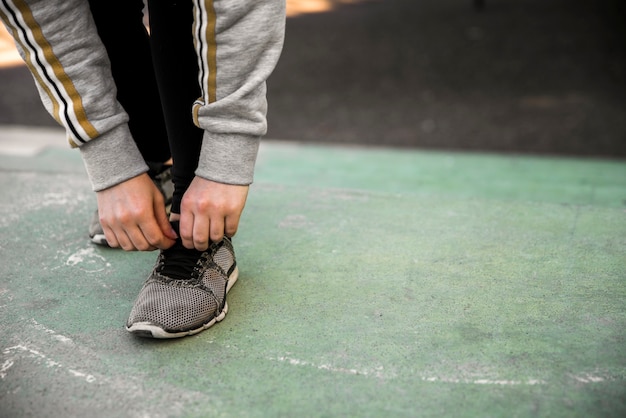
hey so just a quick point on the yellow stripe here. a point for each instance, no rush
(208, 62)
(211, 51)
(194, 111)
(59, 72)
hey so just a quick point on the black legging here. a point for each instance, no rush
(120, 26)
(157, 97)
(176, 69)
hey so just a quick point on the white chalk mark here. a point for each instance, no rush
(39, 357)
(23, 348)
(376, 371)
(89, 260)
(588, 378)
(82, 254)
(54, 335)
(495, 382)
(131, 388)
(62, 338)
(379, 372)
(89, 378)
(28, 352)
(5, 366)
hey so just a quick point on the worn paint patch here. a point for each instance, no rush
(88, 258)
(295, 222)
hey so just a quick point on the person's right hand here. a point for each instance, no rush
(132, 215)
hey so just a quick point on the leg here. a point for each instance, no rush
(214, 80)
(176, 71)
(121, 29)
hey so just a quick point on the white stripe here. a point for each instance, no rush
(202, 44)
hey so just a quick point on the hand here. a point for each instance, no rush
(210, 210)
(132, 215)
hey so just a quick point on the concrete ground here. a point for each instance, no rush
(374, 282)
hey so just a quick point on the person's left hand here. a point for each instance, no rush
(210, 210)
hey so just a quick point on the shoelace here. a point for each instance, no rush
(179, 262)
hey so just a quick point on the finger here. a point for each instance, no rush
(110, 237)
(165, 233)
(185, 228)
(129, 231)
(142, 245)
(217, 229)
(201, 225)
(150, 237)
(124, 240)
(137, 238)
(231, 226)
(161, 218)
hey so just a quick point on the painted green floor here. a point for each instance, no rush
(373, 283)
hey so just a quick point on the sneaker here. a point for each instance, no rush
(161, 175)
(186, 291)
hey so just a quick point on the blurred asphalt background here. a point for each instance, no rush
(523, 76)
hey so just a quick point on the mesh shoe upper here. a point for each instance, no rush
(186, 290)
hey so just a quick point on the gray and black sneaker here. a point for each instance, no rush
(161, 175)
(186, 291)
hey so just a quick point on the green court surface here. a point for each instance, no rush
(374, 283)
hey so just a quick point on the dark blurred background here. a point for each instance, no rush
(523, 76)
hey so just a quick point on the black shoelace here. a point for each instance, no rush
(179, 262)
